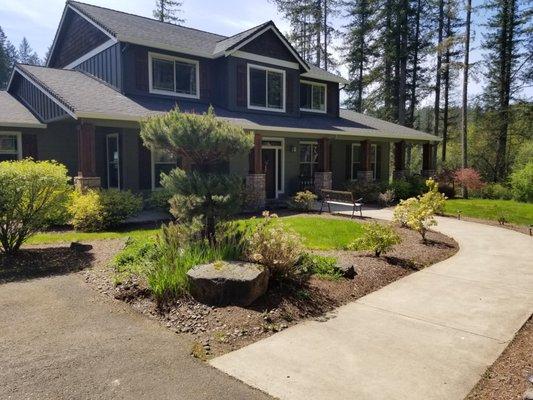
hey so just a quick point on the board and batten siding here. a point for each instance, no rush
(105, 65)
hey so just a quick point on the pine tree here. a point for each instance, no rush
(8, 58)
(438, 70)
(464, 110)
(168, 11)
(26, 55)
(507, 69)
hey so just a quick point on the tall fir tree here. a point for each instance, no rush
(168, 11)
(464, 106)
(8, 58)
(26, 55)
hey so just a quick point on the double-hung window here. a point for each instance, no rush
(173, 76)
(10, 146)
(356, 160)
(308, 159)
(266, 88)
(312, 96)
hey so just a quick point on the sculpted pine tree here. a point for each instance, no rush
(204, 192)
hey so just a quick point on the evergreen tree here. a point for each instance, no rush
(168, 11)
(26, 55)
(8, 58)
(464, 109)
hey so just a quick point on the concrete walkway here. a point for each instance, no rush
(61, 340)
(430, 335)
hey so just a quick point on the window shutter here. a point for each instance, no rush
(29, 146)
(241, 85)
(348, 162)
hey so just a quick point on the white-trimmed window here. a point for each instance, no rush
(356, 160)
(10, 146)
(162, 162)
(173, 76)
(313, 96)
(308, 159)
(266, 88)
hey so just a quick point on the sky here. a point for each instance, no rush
(37, 20)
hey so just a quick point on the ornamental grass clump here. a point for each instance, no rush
(275, 246)
(376, 237)
(31, 195)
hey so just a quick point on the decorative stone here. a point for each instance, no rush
(365, 176)
(87, 182)
(80, 247)
(228, 282)
(348, 270)
(322, 180)
(255, 192)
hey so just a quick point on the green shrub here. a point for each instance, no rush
(401, 188)
(32, 193)
(522, 183)
(304, 200)
(321, 266)
(158, 200)
(387, 197)
(369, 191)
(494, 191)
(96, 210)
(275, 246)
(376, 237)
(523, 156)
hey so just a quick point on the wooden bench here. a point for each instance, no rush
(341, 198)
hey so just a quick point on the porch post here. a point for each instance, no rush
(322, 176)
(86, 158)
(399, 160)
(256, 179)
(428, 160)
(365, 174)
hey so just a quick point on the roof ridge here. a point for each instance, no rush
(41, 83)
(246, 30)
(145, 17)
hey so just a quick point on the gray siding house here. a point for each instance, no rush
(107, 70)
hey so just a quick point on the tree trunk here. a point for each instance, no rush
(402, 85)
(446, 76)
(464, 111)
(414, 82)
(436, 110)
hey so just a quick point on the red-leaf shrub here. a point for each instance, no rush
(469, 178)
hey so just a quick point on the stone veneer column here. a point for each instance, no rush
(256, 179)
(365, 174)
(87, 177)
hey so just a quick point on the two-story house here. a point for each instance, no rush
(107, 70)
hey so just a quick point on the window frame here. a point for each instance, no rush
(284, 83)
(108, 163)
(18, 136)
(166, 57)
(325, 96)
(374, 148)
(313, 164)
(153, 163)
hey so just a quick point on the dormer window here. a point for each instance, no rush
(312, 96)
(173, 75)
(266, 88)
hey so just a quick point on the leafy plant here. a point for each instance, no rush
(158, 199)
(304, 200)
(387, 197)
(522, 183)
(321, 266)
(31, 194)
(494, 191)
(367, 190)
(469, 178)
(97, 210)
(377, 237)
(275, 246)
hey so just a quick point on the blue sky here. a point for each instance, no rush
(38, 20)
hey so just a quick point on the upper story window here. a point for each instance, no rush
(266, 88)
(313, 96)
(10, 146)
(173, 75)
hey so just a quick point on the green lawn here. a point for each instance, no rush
(514, 211)
(324, 233)
(73, 236)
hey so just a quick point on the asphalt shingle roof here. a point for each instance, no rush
(15, 114)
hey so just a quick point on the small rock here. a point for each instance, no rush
(528, 395)
(347, 270)
(80, 247)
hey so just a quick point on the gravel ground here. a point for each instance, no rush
(507, 378)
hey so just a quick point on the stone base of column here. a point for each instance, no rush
(428, 173)
(322, 180)
(400, 174)
(83, 183)
(255, 192)
(365, 176)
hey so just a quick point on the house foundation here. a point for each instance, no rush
(255, 191)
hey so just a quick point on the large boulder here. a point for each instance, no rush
(228, 282)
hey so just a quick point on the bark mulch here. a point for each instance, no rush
(511, 375)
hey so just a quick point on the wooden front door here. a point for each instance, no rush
(269, 168)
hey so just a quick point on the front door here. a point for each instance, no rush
(113, 161)
(269, 168)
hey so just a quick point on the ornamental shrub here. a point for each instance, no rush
(469, 178)
(275, 246)
(376, 237)
(522, 183)
(158, 200)
(97, 210)
(31, 193)
(321, 266)
(401, 188)
(304, 200)
(387, 197)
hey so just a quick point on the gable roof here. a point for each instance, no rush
(14, 114)
(149, 32)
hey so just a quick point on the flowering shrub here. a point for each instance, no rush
(377, 237)
(468, 178)
(275, 246)
(387, 197)
(304, 200)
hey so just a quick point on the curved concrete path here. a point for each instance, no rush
(430, 335)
